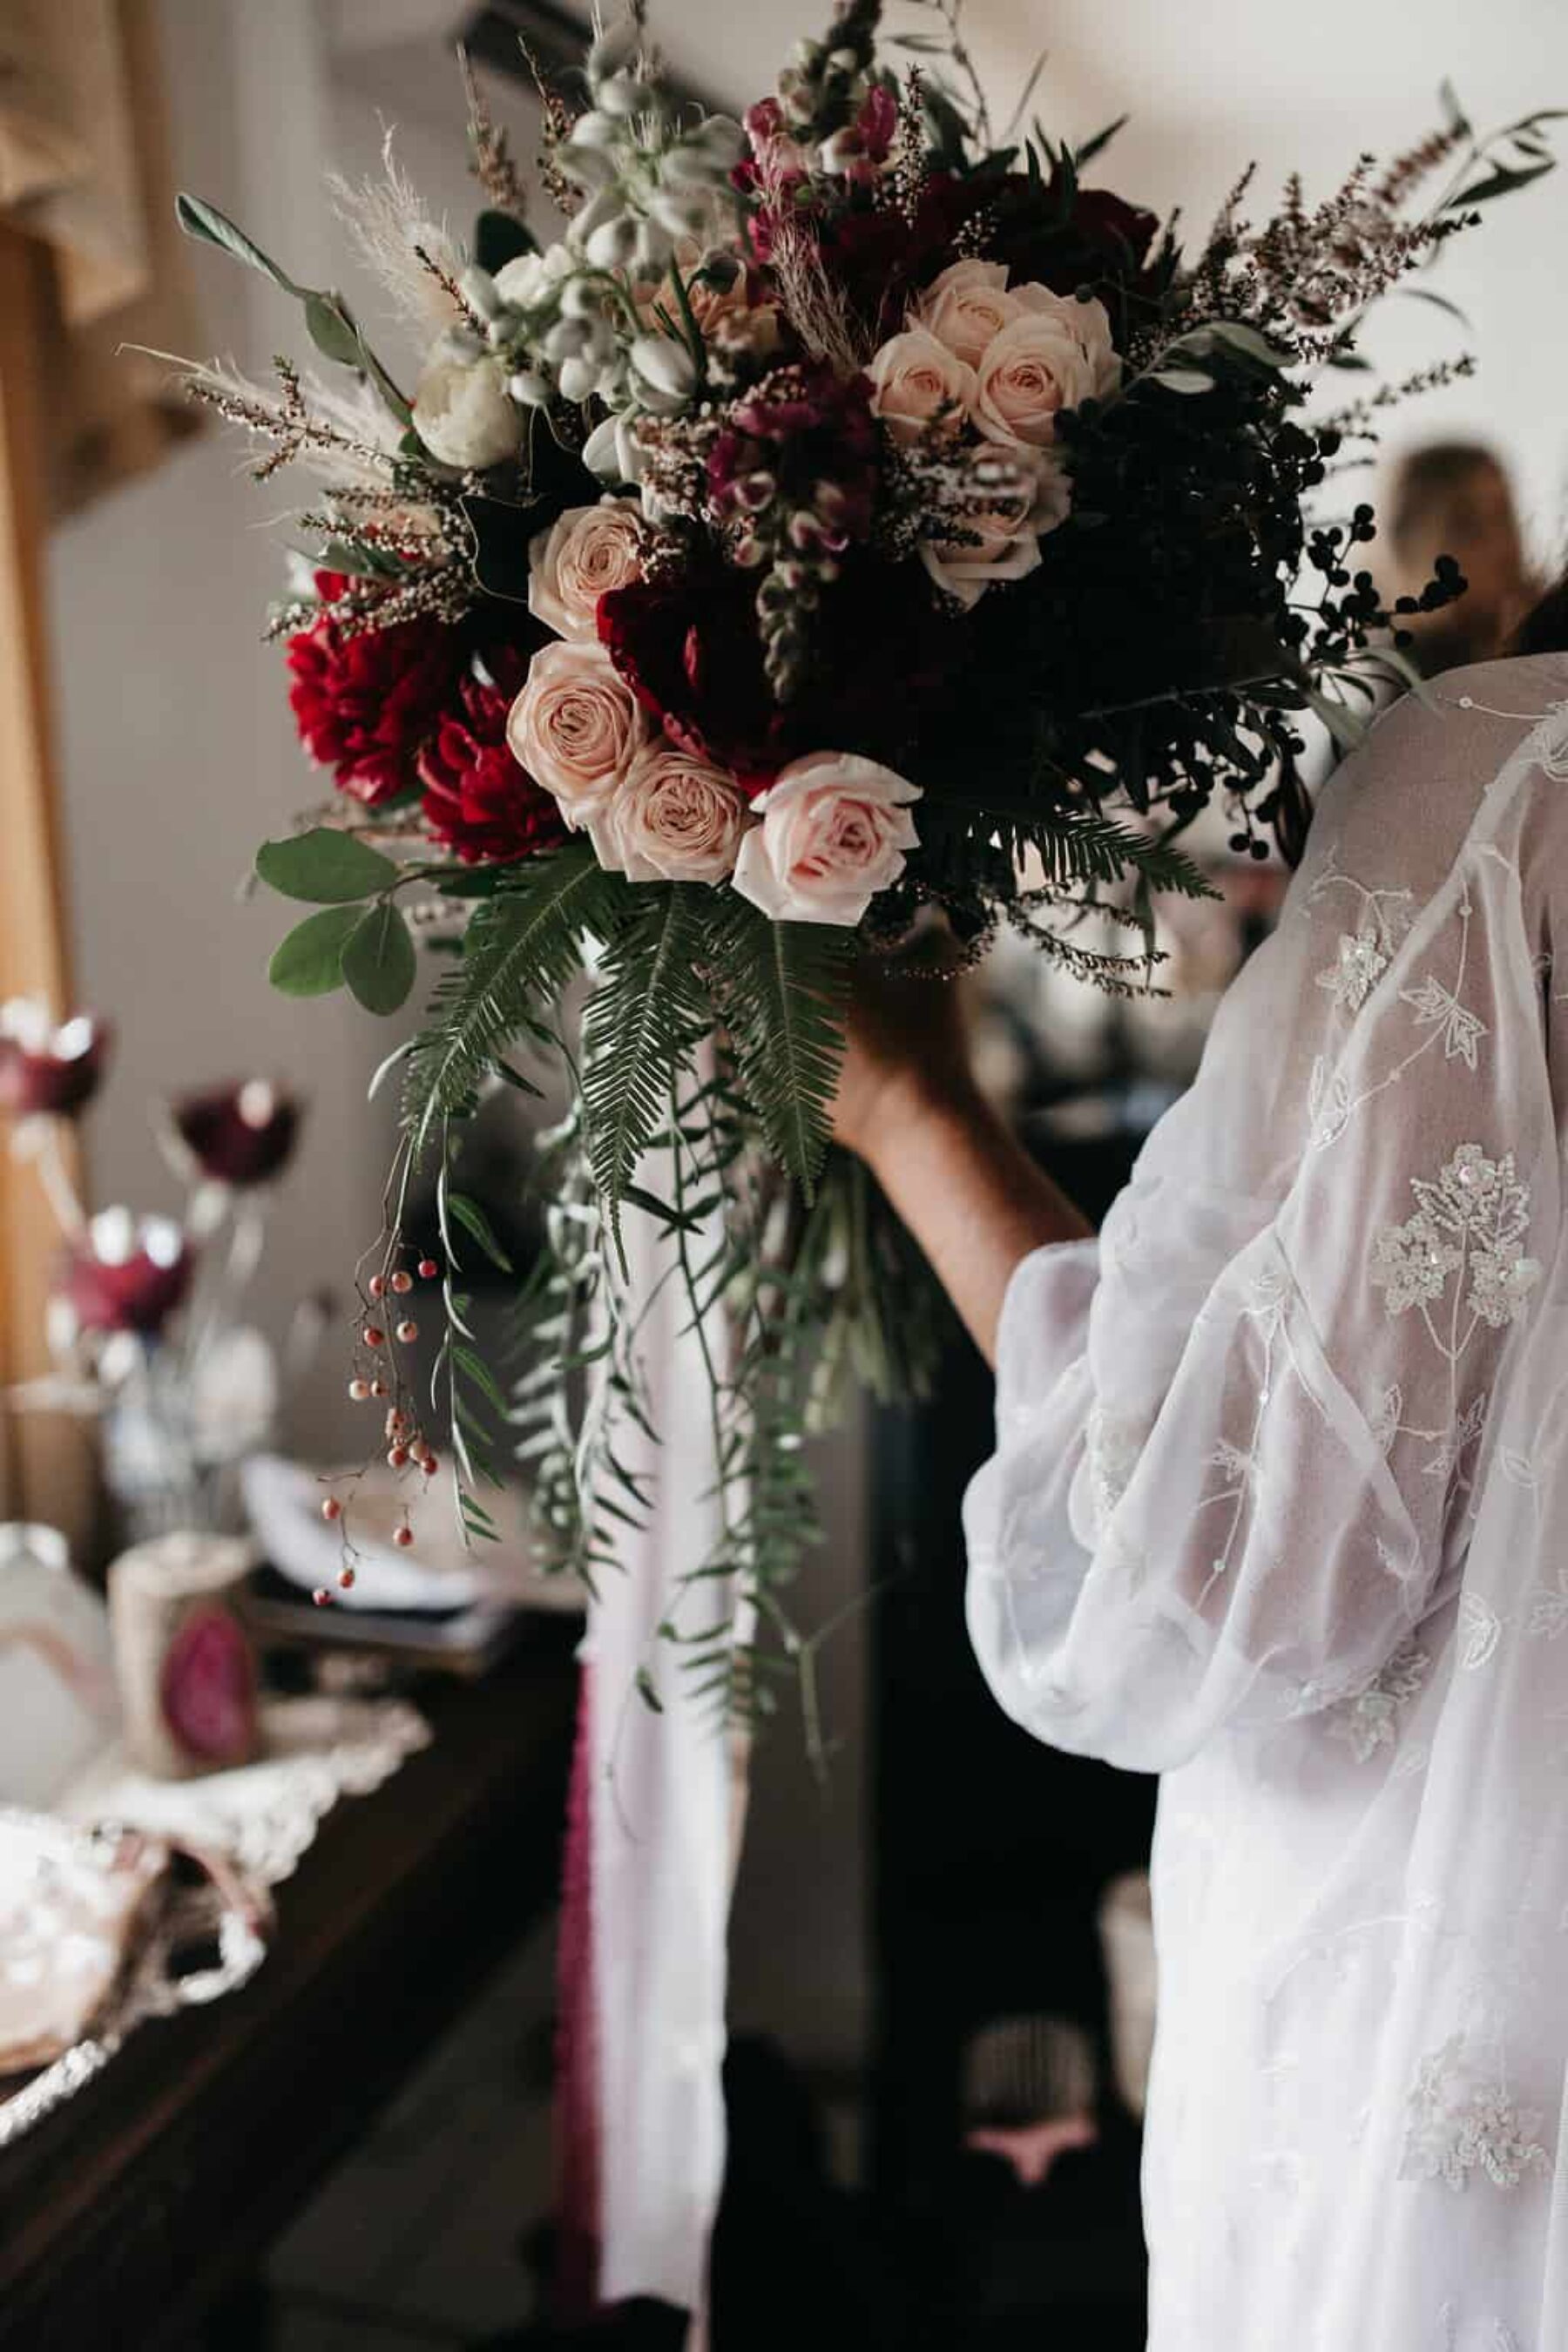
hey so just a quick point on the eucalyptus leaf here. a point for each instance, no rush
(209, 226)
(379, 959)
(331, 329)
(324, 868)
(1182, 379)
(308, 963)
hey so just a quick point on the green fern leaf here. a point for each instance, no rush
(783, 989)
(521, 948)
(1095, 848)
(643, 1020)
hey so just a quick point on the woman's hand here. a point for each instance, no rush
(906, 1057)
(907, 1104)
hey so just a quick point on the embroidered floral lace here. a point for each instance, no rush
(1279, 1510)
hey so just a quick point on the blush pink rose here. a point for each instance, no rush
(1054, 353)
(915, 378)
(576, 727)
(587, 551)
(835, 830)
(1001, 541)
(967, 307)
(671, 818)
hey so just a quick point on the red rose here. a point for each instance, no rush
(688, 647)
(239, 1135)
(477, 800)
(45, 1070)
(126, 1273)
(1101, 239)
(366, 705)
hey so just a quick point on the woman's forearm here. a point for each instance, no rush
(971, 1195)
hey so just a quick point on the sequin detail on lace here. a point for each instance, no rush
(1472, 1217)
(1371, 1720)
(1460, 2122)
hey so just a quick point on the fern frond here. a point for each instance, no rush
(1094, 849)
(521, 948)
(642, 1023)
(783, 989)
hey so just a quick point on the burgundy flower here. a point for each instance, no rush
(689, 648)
(804, 436)
(1101, 239)
(366, 705)
(240, 1135)
(45, 1070)
(479, 800)
(127, 1272)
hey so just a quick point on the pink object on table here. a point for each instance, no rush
(207, 1688)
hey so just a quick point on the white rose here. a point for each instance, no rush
(834, 832)
(915, 377)
(1002, 540)
(576, 727)
(586, 552)
(671, 818)
(1054, 353)
(967, 307)
(464, 414)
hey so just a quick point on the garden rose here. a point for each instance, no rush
(45, 1071)
(576, 727)
(1054, 354)
(477, 800)
(834, 832)
(464, 414)
(915, 378)
(585, 551)
(967, 307)
(366, 704)
(1002, 540)
(671, 818)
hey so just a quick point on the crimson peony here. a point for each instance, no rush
(689, 648)
(478, 799)
(366, 705)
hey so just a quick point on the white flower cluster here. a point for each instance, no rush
(577, 322)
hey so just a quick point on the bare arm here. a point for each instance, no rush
(966, 1187)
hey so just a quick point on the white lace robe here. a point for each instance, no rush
(1279, 1510)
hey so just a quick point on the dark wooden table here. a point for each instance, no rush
(128, 2214)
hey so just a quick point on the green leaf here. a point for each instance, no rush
(308, 963)
(521, 948)
(326, 867)
(642, 1023)
(379, 959)
(646, 1693)
(209, 226)
(500, 238)
(1100, 142)
(331, 329)
(469, 1214)
(1181, 379)
(1502, 182)
(328, 319)
(785, 988)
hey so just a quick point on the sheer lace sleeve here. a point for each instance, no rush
(1236, 1437)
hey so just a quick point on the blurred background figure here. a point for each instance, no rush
(1455, 497)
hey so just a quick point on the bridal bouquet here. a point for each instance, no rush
(845, 513)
